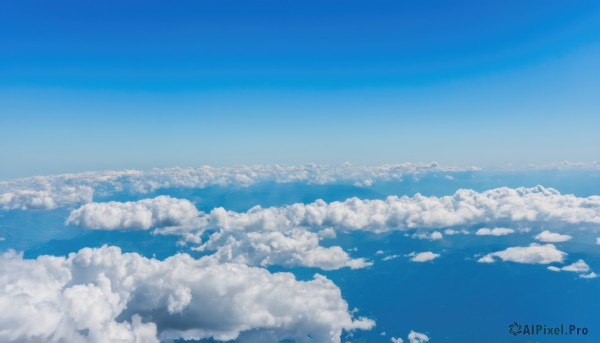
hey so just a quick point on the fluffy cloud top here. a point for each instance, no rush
(465, 207)
(498, 231)
(46, 198)
(144, 214)
(532, 254)
(48, 192)
(104, 295)
(423, 256)
(289, 248)
(552, 237)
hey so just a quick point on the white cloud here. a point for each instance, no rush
(598, 240)
(390, 257)
(417, 337)
(498, 231)
(423, 256)
(579, 267)
(451, 232)
(327, 233)
(103, 295)
(48, 192)
(396, 340)
(436, 235)
(156, 212)
(465, 207)
(45, 199)
(296, 247)
(552, 237)
(532, 254)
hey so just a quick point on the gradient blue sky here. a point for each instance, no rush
(138, 84)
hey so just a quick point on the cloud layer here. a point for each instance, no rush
(48, 192)
(465, 207)
(104, 295)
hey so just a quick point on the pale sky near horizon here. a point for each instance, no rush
(149, 84)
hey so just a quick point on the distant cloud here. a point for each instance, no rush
(49, 192)
(532, 254)
(498, 231)
(423, 256)
(47, 198)
(103, 294)
(551, 237)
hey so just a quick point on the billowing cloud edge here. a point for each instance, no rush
(104, 295)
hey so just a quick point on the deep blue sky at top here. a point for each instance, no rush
(136, 84)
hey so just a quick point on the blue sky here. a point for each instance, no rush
(142, 84)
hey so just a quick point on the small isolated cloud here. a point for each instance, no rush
(532, 254)
(552, 237)
(396, 340)
(579, 267)
(451, 232)
(161, 211)
(417, 337)
(104, 295)
(598, 240)
(423, 256)
(390, 257)
(436, 235)
(47, 198)
(498, 231)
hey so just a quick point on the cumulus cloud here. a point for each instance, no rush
(417, 337)
(532, 254)
(465, 207)
(296, 247)
(498, 231)
(104, 295)
(49, 192)
(579, 267)
(396, 340)
(552, 237)
(144, 214)
(423, 256)
(45, 199)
